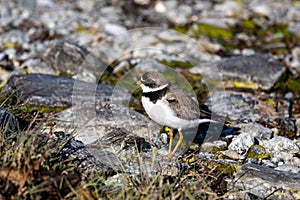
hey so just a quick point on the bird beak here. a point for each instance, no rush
(138, 83)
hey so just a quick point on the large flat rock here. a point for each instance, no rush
(265, 182)
(255, 71)
(48, 91)
(90, 122)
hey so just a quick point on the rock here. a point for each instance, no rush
(254, 71)
(179, 14)
(168, 47)
(125, 151)
(239, 106)
(91, 122)
(257, 152)
(81, 156)
(36, 66)
(261, 8)
(76, 149)
(13, 38)
(86, 5)
(264, 182)
(269, 163)
(71, 59)
(286, 126)
(118, 137)
(222, 23)
(242, 143)
(229, 8)
(280, 144)
(86, 77)
(9, 124)
(276, 160)
(47, 91)
(6, 14)
(288, 168)
(5, 62)
(297, 123)
(45, 3)
(256, 130)
(214, 146)
(287, 158)
(294, 28)
(230, 154)
(115, 29)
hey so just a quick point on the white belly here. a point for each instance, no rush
(162, 114)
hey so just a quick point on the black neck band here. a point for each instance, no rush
(156, 95)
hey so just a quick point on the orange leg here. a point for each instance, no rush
(171, 140)
(170, 155)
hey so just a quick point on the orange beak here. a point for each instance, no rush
(138, 82)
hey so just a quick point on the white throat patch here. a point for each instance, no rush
(148, 89)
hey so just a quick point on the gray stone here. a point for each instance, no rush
(280, 144)
(79, 155)
(86, 5)
(71, 59)
(91, 122)
(242, 143)
(179, 14)
(269, 163)
(255, 130)
(261, 70)
(8, 124)
(235, 105)
(175, 49)
(115, 29)
(217, 145)
(16, 37)
(229, 8)
(297, 123)
(286, 158)
(261, 8)
(276, 160)
(36, 66)
(265, 182)
(49, 91)
(288, 168)
(6, 13)
(86, 77)
(232, 154)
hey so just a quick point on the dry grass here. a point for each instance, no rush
(31, 167)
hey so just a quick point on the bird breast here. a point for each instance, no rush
(161, 113)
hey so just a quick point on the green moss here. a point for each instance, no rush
(108, 79)
(181, 29)
(270, 102)
(257, 152)
(281, 81)
(214, 84)
(248, 24)
(176, 64)
(213, 32)
(293, 84)
(42, 109)
(86, 30)
(249, 85)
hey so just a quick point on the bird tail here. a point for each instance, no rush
(201, 121)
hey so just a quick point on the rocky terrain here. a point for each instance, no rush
(72, 124)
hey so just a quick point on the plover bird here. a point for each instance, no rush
(169, 105)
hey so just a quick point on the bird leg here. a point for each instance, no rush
(170, 155)
(171, 140)
(179, 142)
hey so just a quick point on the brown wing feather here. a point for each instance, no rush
(183, 105)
